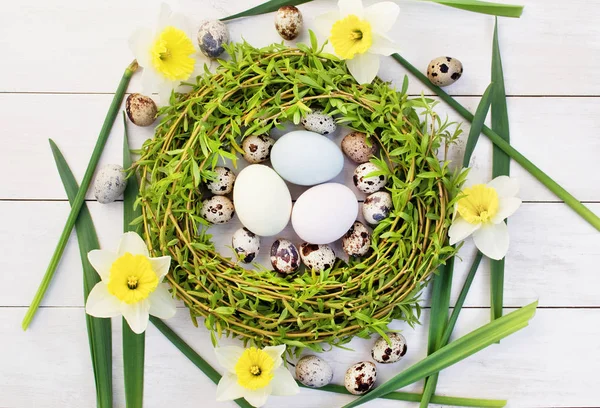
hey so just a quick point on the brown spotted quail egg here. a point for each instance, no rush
(368, 184)
(284, 257)
(357, 241)
(246, 244)
(288, 22)
(110, 183)
(377, 206)
(317, 257)
(141, 110)
(386, 353)
(355, 146)
(444, 71)
(223, 182)
(360, 378)
(319, 122)
(217, 209)
(257, 148)
(313, 372)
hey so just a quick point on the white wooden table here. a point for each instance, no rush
(60, 62)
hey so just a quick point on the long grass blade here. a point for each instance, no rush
(484, 7)
(500, 166)
(133, 344)
(99, 330)
(80, 197)
(477, 123)
(535, 171)
(266, 7)
(454, 352)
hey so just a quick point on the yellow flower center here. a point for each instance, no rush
(171, 54)
(132, 278)
(479, 204)
(254, 369)
(351, 36)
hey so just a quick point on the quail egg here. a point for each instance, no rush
(377, 206)
(257, 148)
(288, 22)
(110, 183)
(317, 121)
(355, 146)
(357, 241)
(141, 110)
(317, 257)
(385, 353)
(284, 257)
(212, 35)
(444, 71)
(360, 378)
(313, 372)
(217, 209)
(246, 244)
(368, 184)
(223, 183)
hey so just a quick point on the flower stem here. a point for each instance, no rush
(80, 198)
(542, 177)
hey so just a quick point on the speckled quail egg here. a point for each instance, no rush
(354, 145)
(377, 206)
(217, 209)
(288, 22)
(246, 244)
(223, 183)
(317, 257)
(357, 241)
(317, 121)
(212, 35)
(110, 183)
(368, 184)
(385, 353)
(444, 71)
(141, 110)
(360, 378)
(313, 372)
(284, 257)
(257, 148)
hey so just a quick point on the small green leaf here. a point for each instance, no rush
(484, 7)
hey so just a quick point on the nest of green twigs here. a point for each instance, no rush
(254, 91)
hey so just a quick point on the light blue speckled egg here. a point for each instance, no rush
(212, 35)
(110, 183)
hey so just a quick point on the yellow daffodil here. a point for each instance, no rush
(357, 34)
(253, 374)
(481, 211)
(131, 284)
(167, 54)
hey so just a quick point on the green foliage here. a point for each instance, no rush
(250, 94)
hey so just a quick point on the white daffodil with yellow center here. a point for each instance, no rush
(254, 374)
(481, 211)
(131, 284)
(357, 34)
(167, 54)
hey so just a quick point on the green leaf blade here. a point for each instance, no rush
(484, 7)
(266, 7)
(478, 123)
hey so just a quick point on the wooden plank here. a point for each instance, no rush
(551, 363)
(83, 47)
(551, 256)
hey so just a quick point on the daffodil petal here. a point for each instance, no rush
(324, 22)
(461, 229)
(136, 315)
(228, 388)
(161, 266)
(492, 240)
(275, 352)
(351, 7)
(164, 17)
(101, 261)
(505, 186)
(363, 67)
(506, 207)
(382, 45)
(258, 398)
(228, 357)
(150, 80)
(132, 243)
(382, 16)
(100, 303)
(139, 44)
(162, 304)
(164, 89)
(283, 383)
